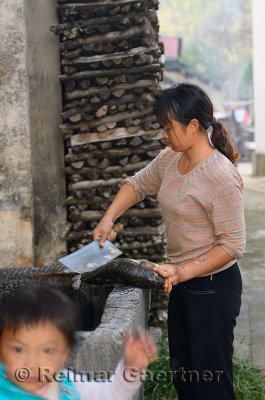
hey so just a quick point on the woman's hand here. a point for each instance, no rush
(174, 272)
(140, 352)
(104, 231)
(124, 199)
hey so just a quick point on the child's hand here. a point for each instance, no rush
(140, 352)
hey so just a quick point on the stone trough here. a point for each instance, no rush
(102, 348)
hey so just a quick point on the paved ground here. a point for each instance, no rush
(250, 329)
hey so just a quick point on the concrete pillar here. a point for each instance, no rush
(32, 193)
(259, 84)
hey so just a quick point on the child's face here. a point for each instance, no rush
(33, 347)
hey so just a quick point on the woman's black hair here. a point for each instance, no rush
(185, 102)
(34, 305)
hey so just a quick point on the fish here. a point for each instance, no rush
(12, 279)
(90, 299)
(118, 272)
(128, 272)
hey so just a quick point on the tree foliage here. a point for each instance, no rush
(217, 40)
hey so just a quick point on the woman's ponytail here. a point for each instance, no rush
(221, 140)
(186, 102)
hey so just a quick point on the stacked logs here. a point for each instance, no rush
(111, 67)
(158, 310)
(110, 59)
(96, 172)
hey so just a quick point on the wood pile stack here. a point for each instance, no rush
(96, 172)
(111, 68)
(158, 310)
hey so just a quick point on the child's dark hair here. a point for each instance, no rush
(185, 102)
(34, 305)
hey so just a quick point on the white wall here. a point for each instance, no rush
(259, 72)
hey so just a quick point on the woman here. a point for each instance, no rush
(200, 194)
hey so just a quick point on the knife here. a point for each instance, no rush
(92, 255)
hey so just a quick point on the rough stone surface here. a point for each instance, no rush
(32, 212)
(15, 159)
(47, 153)
(101, 349)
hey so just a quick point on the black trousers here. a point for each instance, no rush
(201, 319)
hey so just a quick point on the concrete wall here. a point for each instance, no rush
(15, 147)
(259, 84)
(32, 193)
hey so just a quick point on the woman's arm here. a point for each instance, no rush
(227, 215)
(125, 198)
(145, 181)
(207, 263)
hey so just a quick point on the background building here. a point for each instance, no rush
(259, 84)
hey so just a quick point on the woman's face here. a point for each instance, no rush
(178, 136)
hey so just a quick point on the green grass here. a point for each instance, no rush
(249, 383)
(160, 387)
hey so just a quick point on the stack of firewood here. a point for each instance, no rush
(110, 59)
(96, 172)
(111, 68)
(158, 310)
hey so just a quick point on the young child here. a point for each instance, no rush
(37, 332)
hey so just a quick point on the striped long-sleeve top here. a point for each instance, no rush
(200, 209)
